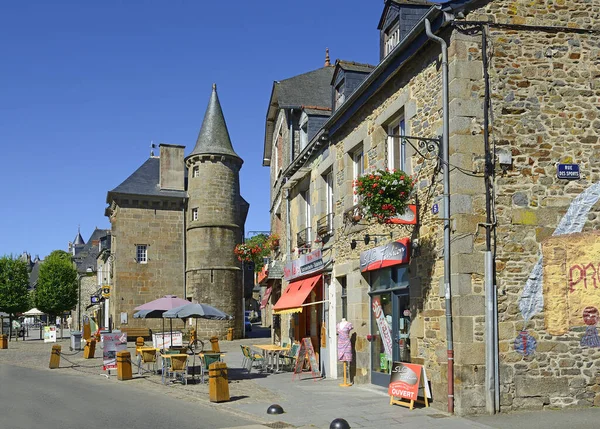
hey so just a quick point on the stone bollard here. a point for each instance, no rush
(55, 357)
(90, 349)
(124, 366)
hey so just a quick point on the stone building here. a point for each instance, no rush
(175, 223)
(523, 139)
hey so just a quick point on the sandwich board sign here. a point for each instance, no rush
(306, 352)
(408, 382)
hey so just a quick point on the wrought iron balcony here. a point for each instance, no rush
(325, 225)
(303, 238)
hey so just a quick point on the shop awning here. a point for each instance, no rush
(265, 300)
(294, 296)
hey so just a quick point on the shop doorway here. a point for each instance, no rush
(390, 329)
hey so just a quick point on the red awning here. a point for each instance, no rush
(294, 296)
(265, 299)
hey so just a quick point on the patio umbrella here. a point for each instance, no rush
(165, 303)
(197, 311)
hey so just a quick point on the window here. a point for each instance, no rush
(195, 213)
(391, 277)
(392, 38)
(340, 94)
(358, 169)
(307, 214)
(329, 196)
(196, 171)
(396, 146)
(142, 254)
(344, 295)
(303, 136)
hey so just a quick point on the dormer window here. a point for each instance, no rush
(391, 39)
(303, 131)
(340, 94)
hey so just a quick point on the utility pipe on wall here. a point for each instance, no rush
(446, 174)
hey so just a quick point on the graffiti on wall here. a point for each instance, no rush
(571, 283)
(532, 298)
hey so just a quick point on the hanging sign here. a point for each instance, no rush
(385, 330)
(408, 382)
(105, 291)
(409, 217)
(393, 253)
(567, 171)
(306, 352)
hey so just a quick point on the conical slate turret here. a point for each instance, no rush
(214, 138)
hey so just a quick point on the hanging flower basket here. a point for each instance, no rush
(384, 194)
(256, 249)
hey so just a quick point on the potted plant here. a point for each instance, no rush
(384, 193)
(256, 248)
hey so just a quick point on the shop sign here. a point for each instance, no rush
(163, 341)
(393, 253)
(94, 299)
(385, 330)
(409, 217)
(306, 264)
(112, 343)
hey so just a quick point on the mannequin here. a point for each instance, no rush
(344, 346)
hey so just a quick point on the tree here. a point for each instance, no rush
(56, 290)
(14, 282)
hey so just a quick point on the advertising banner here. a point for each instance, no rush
(385, 330)
(49, 334)
(113, 342)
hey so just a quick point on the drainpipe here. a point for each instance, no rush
(183, 212)
(445, 161)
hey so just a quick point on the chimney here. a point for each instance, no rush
(171, 167)
(327, 62)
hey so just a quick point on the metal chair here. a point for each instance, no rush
(289, 358)
(251, 358)
(207, 359)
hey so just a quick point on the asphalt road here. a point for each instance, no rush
(31, 398)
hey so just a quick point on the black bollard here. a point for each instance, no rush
(275, 409)
(339, 424)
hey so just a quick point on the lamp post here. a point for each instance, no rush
(79, 277)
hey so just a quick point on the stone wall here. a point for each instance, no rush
(161, 229)
(544, 101)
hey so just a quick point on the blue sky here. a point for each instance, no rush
(86, 87)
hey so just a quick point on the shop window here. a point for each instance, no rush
(389, 278)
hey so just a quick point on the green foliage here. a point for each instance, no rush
(384, 194)
(14, 281)
(57, 288)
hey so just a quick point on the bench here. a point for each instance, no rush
(133, 333)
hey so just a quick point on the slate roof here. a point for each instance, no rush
(214, 136)
(34, 274)
(78, 239)
(87, 257)
(145, 182)
(317, 112)
(307, 89)
(352, 66)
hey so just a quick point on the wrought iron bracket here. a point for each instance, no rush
(431, 145)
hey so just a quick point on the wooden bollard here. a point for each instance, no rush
(124, 366)
(3, 341)
(90, 349)
(218, 385)
(55, 357)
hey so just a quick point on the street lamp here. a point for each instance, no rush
(79, 277)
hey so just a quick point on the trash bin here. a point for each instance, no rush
(218, 385)
(75, 340)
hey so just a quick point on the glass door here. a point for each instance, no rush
(390, 333)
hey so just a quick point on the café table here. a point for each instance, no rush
(270, 352)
